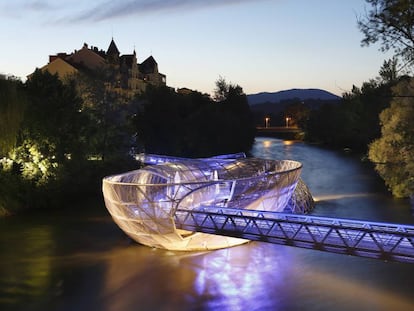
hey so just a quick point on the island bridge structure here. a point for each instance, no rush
(212, 203)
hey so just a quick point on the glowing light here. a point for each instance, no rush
(330, 197)
(267, 143)
(143, 202)
(267, 121)
(240, 276)
(287, 121)
(35, 166)
(6, 163)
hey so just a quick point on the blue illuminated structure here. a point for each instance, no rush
(144, 202)
(384, 241)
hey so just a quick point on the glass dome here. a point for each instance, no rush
(143, 202)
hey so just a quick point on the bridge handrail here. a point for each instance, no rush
(380, 240)
(336, 223)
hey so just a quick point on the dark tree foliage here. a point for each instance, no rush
(390, 22)
(109, 129)
(12, 105)
(193, 125)
(322, 125)
(73, 133)
(48, 143)
(355, 122)
(389, 71)
(53, 116)
(236, 119)
(298, 114)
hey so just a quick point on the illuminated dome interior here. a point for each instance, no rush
(143, 202)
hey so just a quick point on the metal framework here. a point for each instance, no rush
(385, 241)
(143, 202)
(223, 201)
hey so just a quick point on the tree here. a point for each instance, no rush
(108, 115)
(298, 113)
(354, 123)
(160, 127)
(221, 90)
(327, 125)
(12, 105)
(389, 71)
(54, 115)
(193, 125)
(390, 22)
(236, 127)
(393, 153)
(49, 132)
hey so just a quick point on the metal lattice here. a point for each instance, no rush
(143, 202)
(393, 242)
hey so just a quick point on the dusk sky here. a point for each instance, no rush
(262, 45)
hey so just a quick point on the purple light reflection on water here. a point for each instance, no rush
(243, 278)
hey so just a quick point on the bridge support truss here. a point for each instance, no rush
(385, 241)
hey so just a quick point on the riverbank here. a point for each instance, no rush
(77, 182)
(287, 133)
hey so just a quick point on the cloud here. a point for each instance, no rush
(124, 8)
(34, 8)
(75, 11)
(40, 6)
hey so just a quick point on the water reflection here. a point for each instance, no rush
(344, 186)
(243, 278)
(24, 276)
(239, 278)
(256, 276)
(332, 197)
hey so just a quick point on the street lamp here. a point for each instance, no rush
(267, 120)
(287, 121)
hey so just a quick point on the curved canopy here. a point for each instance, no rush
(143, 202)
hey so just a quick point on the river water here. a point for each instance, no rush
(77, 259)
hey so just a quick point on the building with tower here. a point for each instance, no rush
(122, 72)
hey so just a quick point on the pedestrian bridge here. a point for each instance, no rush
(223, 201)
(384, 241)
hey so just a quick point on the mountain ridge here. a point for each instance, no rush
(301, 94)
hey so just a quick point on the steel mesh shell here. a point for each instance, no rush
(143, 202)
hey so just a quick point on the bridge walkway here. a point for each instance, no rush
(385, 241)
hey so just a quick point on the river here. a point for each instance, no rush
(77, 259)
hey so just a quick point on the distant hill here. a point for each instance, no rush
(301, 94)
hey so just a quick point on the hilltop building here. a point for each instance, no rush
(124, 75)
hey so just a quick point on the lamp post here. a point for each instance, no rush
(267, 120)
(287, 121)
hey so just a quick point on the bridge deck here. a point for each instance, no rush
(385, 241)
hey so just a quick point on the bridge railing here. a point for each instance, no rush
(385, 241)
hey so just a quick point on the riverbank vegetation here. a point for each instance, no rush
(354, 123)
(376, 119)
(393, 152)
(194, 124)
(58, 139)
(376, 122)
